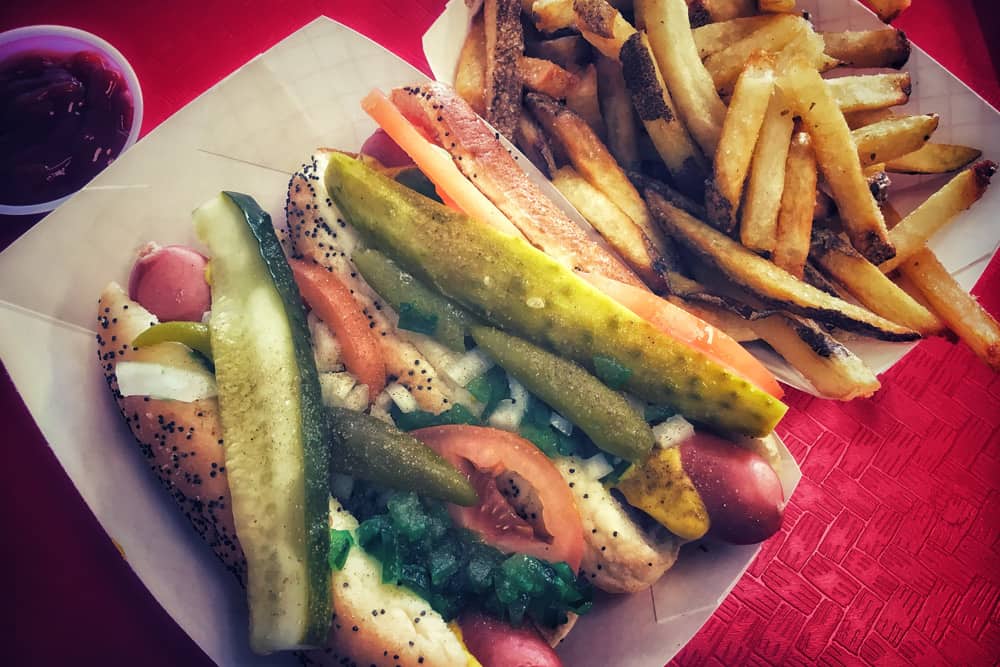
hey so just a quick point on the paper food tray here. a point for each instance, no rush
(248, 133)
(964, 247)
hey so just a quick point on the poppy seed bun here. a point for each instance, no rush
(373, 623)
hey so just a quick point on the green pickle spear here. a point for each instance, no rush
(193, 334)
(602, 413)
(369, 449)
(522, 290)
(275, 433)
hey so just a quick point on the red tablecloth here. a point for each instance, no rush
(890, 552)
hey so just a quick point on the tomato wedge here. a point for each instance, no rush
(682, 325)
(486, 453)
(436, 163)
(332, 302)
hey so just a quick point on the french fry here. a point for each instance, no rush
(719, 317)
(603, 26)
(961, 192)
(934, 159)
(618, 229)
(808, 45)
(893, 138)
(544, 76)
(726, 65)
(553, 15)
(798, 203)
(959, 309)
(568, 52)
(582, 98)
(504, 46)
(656, 110)
(776, 6)
(868, 285)
(593, 161)
(858, 119)
(691, 86)
(470, 74)
(888, 10)
(616, 107)
(698, 13)
(762, 202)
(714, 37)
(739, 136)
(534, 144)
(887, 47)
(681, 201)
(833, 370)
(811, 99)
(870, 91)
(878, 185)
(772, 285)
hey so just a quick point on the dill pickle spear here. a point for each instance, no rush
(401, 291)
(600, 412)
(522, 290)
(372, 450)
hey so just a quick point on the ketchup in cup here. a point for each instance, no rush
(63, 118)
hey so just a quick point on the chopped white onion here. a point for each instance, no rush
(326, 348)
(597, 466)
(561, 424)
(357, 399)
(402, 397)
(147, 378)
(469, 366)
(335, 387)
(672, 432)
(510, 412)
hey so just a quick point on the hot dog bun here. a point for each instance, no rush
(373, 623)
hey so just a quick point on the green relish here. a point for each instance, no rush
(420, 547)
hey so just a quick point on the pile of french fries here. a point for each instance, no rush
(701, 140)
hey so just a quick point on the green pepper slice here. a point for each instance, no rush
(193, 334)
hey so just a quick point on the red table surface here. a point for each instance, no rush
(890, 551)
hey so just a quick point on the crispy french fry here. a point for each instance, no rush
(811, 99)
(534, 144)
(470, 74)
(720, 318)
(618, 229)
(656, 110)
(714, 37)
(934, 159)
(544, 76)
(553, 15)
(870, 91)
(798, 203)
(593, 161)
(868, 285)
(858, 119)
(759, 220)
(724, 10)
(691, 86)
(776, 6)
(959, 309)
(961, 192)
(582, 98)
(568, 52)
(504, 46)
(769, 283)
(643, 182)
(808, 45)
(888, 10)
(833, 370)
(616, 107)
(726, 65)
(893, 138)
(602, 25)
(887, 47)
(739, 136)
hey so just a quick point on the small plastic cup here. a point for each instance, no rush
(63, 39)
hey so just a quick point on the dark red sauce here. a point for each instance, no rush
(63, 118)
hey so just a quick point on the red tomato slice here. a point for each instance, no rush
(683, 326)
(496, 644)
(332, 302)
(484, 454)
(381, 147)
